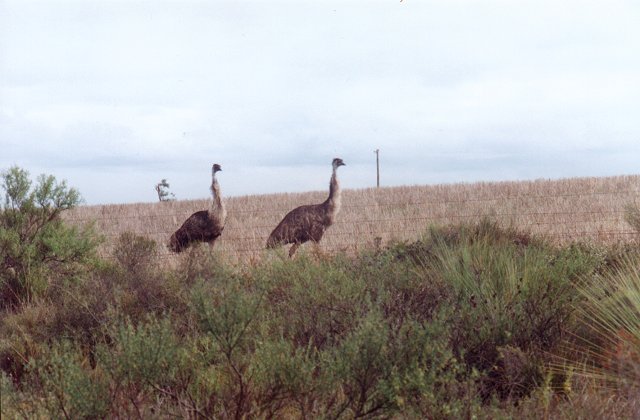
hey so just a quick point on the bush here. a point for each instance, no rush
(461, 324)
(35, 245)
(360, 363)
(610, 343)
(229, 314)
(23, 336)
(141, 360)
(427, 379)
(15, 404)
(510, 297)
(287, 379)
(399, 285)
(134, 253)
(139, 287)
(379, 372)
(142, 355)
(70, 389)
(312, 302)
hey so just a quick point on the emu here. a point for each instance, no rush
(308, 223)
(203, 225)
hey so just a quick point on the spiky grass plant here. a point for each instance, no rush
(611, 314)
(511, 297)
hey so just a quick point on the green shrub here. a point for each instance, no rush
(511, 298)
(461, 324)
(610, 342)
(9, 400)
(35, 245)
(15, 404)
(23, 335)
(378, 372)
(134, 253)
(424, 252)
(360, 363)
(201, 262)
(314, 302)
(500, 300)
(203, 389)
(585, 401)
(138, 286)
(228, 314)
(78, 312)
(400, 286)
(286, 379)
(142, 355)
(70, 389)
(427, 380)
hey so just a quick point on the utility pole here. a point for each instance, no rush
(377, 152)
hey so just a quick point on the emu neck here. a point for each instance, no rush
(217, 206)
(334, 201)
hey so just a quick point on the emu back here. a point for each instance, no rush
(199, 227)
(302, 224)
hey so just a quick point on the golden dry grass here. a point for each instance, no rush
(564, 210)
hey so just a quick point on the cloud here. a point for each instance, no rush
(132, 92)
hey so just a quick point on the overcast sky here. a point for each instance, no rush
(113, 96)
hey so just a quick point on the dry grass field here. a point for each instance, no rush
(564, 210)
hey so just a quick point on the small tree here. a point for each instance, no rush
(35, 245)
(162, 188)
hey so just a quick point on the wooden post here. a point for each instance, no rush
(377, 152)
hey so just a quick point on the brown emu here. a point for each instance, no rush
(308, 223)
(204, 225)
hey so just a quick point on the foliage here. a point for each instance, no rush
(69, 388)
(35, 245)
(461, 324)
(287, 378)
(162, 188)
(360, 363)
(134, 252)
(228, 317)
(139, 357)
(413, 370)
(427, 379)
(510, 297)
(318, 300)
(611, 334)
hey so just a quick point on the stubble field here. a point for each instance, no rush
(562, 210)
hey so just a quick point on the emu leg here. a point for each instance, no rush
(293, 249)
(316, 248)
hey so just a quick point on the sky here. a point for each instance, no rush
(113, 96)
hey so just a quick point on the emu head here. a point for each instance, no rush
(337, 162)
(216, 168)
